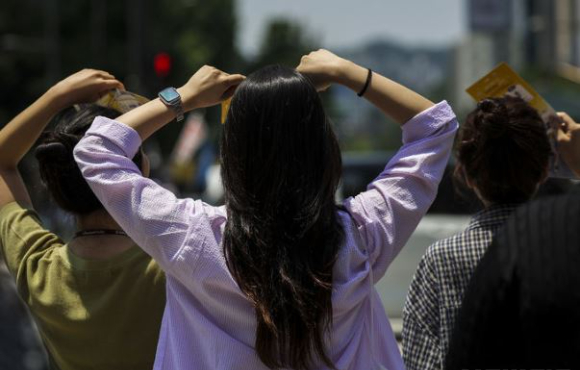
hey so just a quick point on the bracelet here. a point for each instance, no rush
(367, 83)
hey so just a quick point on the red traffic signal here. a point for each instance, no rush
(162, 64)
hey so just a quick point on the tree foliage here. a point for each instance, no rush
(284, 42)
(123, 37)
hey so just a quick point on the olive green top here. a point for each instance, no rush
(91, 314)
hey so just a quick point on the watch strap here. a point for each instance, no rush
(178, 109)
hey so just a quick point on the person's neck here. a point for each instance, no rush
(99, 246)
(486, 204)
(98, 220)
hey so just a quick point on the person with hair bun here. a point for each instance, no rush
(98, 299)
(503, 154)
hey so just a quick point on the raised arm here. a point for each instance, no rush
(18, 136)
(387, 213)
(152, 216)
(394, 100)
(207, 87)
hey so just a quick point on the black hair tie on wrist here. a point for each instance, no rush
(367, 83)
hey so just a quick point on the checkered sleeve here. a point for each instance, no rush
(421, 346)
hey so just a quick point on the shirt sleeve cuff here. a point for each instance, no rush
(123, 136)
(8, 208)
(427, 122)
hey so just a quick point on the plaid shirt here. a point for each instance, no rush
(437, 290)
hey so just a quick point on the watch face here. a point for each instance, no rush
(170, 95)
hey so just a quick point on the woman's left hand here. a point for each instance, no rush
(208, 86)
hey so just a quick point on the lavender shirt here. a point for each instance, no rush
(208, 322)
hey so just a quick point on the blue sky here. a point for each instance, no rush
(345, 23)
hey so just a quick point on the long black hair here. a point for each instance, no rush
(281, 166)
(58, 169)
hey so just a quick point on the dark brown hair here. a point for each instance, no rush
(281, 166)
(58, 169)
(503, 150)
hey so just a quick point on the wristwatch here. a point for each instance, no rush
(172, 99)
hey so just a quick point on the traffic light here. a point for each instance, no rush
(162, 64)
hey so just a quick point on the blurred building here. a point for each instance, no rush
(553, 41)
(503, 23)
(496, 33)
(543, 35)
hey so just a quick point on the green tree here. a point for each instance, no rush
(42, 41)
(193, 33)
(284, 42)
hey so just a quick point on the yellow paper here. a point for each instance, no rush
(504, 81)
(225, 108)
(121, 100)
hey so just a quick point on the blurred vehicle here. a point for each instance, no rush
(360, 168)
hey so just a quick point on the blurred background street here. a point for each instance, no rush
(438, 48)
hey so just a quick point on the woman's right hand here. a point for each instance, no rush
(569, 142)
(207, 87)
(84, 87)
(322, 68)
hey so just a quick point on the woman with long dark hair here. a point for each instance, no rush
(281, 277)
(98, 299)
(503, 154)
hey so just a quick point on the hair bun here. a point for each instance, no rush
(55, 152)
(487, 105)
(492, 119)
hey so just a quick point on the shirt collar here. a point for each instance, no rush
(492, 216)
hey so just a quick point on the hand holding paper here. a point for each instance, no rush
(504, 81)
(569, 142)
